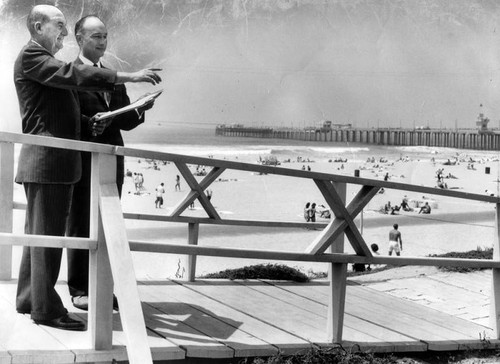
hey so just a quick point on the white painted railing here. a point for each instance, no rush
(110, 250)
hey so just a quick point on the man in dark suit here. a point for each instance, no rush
(48, 102)
(91, 35)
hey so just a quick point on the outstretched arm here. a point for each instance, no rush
(145, 75)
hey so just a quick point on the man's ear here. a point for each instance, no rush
(38, 27)
(78, 39)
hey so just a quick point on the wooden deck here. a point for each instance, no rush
(234, 319)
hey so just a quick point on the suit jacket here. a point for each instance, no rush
(94, 102)
(48, 101)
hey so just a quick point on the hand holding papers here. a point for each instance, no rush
(141, 102)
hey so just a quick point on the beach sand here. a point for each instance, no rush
(454, 225)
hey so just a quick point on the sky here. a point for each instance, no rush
(279, 63)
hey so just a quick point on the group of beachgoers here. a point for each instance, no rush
(389, 209)
(311, 209)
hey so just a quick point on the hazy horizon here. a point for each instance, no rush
(293, 63)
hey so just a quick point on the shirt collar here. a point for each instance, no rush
(88, 62)
(38, 44)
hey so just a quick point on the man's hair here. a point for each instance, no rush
(395, 226)
(80, 23)
(35, 16)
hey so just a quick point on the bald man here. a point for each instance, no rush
(92, 38)
(48, 102)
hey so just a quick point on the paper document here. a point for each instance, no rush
(141, 101)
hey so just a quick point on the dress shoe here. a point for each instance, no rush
(64, 323)
(82, 302)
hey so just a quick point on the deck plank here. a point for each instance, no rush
(438, 330)
(224, 319)
(195, 343)
(22, 338)
(183, 291)
(372, 333)
(161, 348)
(296, 320)
(222, 326)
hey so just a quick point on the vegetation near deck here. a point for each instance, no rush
(323, 356)
(262, 271)
(339, 355)
(479, 253)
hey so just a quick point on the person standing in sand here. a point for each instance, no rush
(177, 183)
(306, 212)
(160, 190)
(395, 241)
(312, 213)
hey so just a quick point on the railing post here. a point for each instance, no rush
(495, 279)
(100, 278)
(193, 232)
(6, 205)
(337, 275)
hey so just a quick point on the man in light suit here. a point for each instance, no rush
(48, 102)
(92, 37)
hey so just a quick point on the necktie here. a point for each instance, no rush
(107, 96)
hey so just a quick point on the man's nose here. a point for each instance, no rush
(64, 31)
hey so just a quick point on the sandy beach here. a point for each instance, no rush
(453, 225)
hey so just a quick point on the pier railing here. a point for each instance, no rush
(463, 139)
(111, 265)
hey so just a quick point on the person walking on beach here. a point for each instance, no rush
(209, 194)
(160, 190)
(177, 183)
(395, 241)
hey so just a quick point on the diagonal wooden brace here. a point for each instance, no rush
(344, 219)
(197, 191)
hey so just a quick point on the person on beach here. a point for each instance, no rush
(374, 248)
(177, 183)
(426, 209)
(209, 194)
(312, 212)
(395, 241)
(306, 212)
(160, 190)
(404, 204)
(46, 89)
(137, 183)
(91, 35)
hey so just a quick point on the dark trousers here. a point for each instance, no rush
(79, 226)
(46, 214)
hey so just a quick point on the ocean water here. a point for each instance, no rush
(200, 140)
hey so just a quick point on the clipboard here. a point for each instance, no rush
(141, 101)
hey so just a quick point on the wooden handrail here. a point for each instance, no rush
(110, 248)
(143, 246)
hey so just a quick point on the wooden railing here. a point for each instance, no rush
(111, 265)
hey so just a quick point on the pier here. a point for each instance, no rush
(461, 138)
